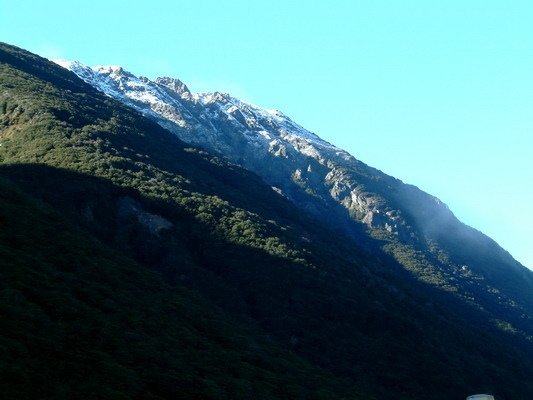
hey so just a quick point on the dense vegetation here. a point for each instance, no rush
(78, 321)
(99, 283)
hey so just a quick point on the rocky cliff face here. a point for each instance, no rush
(328, 182)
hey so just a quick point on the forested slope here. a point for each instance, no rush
(181, 218)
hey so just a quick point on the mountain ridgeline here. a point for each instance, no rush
(332, 185)
(162, 244)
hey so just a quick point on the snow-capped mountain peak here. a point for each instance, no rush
(316, 175)
(109, 69)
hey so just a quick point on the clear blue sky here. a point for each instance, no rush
(436, 93)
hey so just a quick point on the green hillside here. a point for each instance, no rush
(165, 271)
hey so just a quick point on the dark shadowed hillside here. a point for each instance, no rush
(80, 321)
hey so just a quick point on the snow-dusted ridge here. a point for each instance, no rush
(146, 95)
(316, 175)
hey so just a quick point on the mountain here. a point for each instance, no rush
(109, 219)
(419, 230)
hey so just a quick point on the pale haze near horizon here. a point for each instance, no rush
(438, 94)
